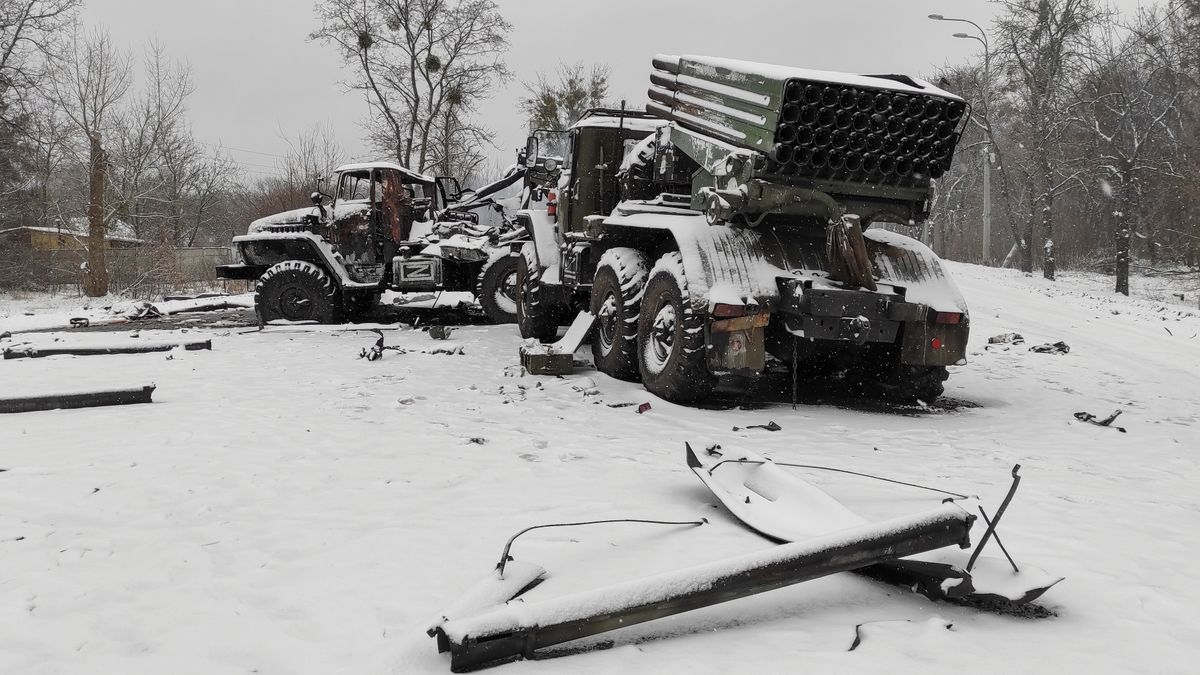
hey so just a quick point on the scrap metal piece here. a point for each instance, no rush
(558, 358)
(1106, 422)
(81, 400)
(32, 352)
(494, 590)
(784, 508)
(993, 523)
(519, 629)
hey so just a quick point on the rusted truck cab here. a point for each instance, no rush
(330, 261)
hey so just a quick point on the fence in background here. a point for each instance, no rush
(145, 271)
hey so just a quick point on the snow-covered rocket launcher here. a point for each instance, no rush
(870, 137)
(761, 191)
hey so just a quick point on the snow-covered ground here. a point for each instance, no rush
(287, 507)
(40, 311)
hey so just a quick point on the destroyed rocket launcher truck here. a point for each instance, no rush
(738, 225)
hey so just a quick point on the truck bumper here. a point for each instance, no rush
(240, 271)
(925, 337)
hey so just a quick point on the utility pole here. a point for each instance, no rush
(987, 150)
(987, 205)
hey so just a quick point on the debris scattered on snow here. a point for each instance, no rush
(1059, 347)
(895, 634)
(643, 408)
(1006, 338)
(90, 399)
(769, 426)
(1106, 422)
(441, 332)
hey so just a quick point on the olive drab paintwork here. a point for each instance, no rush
(757, 186)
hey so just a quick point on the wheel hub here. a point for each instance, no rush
(295, 304)
(607, 318)
(506, 293)
(662, 335)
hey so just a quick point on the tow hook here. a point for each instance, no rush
(859, 329)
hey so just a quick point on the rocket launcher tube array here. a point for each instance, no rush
(814, 124)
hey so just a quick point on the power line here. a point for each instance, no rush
(252, 152)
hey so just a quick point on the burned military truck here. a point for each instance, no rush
(739, 224)
(382, 228)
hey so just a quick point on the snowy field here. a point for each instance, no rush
(287, 507)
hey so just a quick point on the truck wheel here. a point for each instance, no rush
(295, 290)
(536, 318)
(670, 342)
(497, 289)
(616, 300)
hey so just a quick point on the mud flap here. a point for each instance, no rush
(738, 345)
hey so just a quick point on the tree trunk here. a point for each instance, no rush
(1026, 249)
(1048, 237)
(96, 281)
(1123, 238)
(1048, 220)
(1123, 256)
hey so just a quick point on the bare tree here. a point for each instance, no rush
(29, 30)
(1132, 92)
(30, 33)
(557, 103)
(1041, 40)
(150, 130)
(89, 84)
(422, 64)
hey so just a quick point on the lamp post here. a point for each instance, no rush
(987, 121)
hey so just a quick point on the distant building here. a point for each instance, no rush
(71, 235)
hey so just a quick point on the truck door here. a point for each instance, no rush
(596, 159)
(352, 216)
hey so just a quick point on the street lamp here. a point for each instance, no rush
(987, 160)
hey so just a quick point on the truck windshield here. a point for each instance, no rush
(356, 187)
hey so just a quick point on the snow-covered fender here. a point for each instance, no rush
(940, 339)
(267, 248)
(722, 264)
(740, 264)
(543, 230)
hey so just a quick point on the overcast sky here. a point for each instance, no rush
(260, 80)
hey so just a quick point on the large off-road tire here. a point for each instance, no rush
(497, 288)
(295, 290)
(670, 342)
(537, 317)
(616, 302)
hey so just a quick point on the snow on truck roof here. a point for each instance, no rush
(419, 177)
(786, 72)
(611, 122)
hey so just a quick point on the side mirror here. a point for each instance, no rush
(531, 152)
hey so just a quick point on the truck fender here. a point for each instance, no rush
(300, 246)
(722, 264)
(544, 232)
(904, 261)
